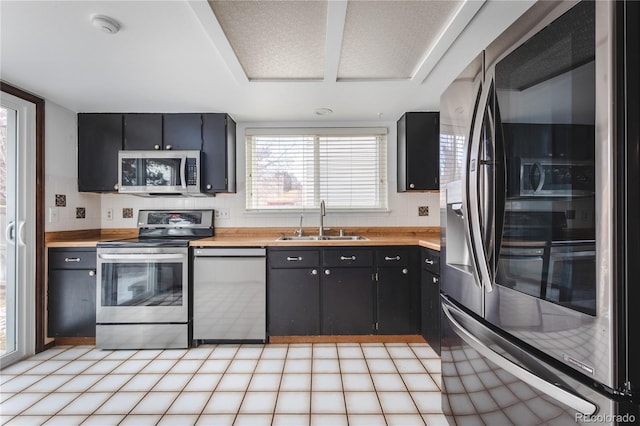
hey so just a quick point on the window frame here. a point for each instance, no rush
(381, 136)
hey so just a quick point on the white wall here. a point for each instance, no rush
(403, 206)
(61, 171)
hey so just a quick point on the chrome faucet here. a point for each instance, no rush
(322, 214)
(299, 231)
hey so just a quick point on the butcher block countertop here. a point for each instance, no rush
(428, 237)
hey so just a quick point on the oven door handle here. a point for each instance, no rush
(141, 256)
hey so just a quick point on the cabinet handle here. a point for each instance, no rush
(411, 185)
(209, 186)
(169, 147)
(327, 272)
(92, 273)
(314, 272)
(71, 259)
(389, 258)
(116, 186)
(405, 271)
(294, 259)
(435, 280)
(156, 147)
(428, 261)
(353, 258)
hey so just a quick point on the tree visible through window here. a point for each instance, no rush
(295, 172)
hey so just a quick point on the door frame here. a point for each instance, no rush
(39, 291)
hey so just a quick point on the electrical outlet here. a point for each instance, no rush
(423, 210)
(222, 213)
(108, 214)
(53, 214)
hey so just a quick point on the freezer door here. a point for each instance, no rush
(487, 379)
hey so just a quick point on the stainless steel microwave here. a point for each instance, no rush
(556, 178)
(159, 172)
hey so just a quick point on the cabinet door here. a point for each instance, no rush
(431, 309)
(218, 153)
(99, 140)
(72, 303)
(182, 132)
(294, 302)
(419, 151)
(142, 131)
(347, 301)
(397, 301)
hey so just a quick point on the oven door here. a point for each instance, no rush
(142, 285)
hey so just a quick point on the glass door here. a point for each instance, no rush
(7, 223)
(17, 228)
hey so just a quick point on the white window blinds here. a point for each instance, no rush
(346, 168)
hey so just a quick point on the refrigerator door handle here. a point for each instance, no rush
(577, 403)
(472, 197)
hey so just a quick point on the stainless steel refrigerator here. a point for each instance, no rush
(540, 193)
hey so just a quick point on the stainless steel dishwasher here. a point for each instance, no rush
(229, 294)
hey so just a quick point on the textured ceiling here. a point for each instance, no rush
(276, 40)
(376, 40)
(389, 39)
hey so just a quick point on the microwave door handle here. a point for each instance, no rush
(183, 172)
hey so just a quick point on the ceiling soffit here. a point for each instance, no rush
(276, 40)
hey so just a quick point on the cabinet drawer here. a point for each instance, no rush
(293, 258)
(390, 257)
(431, 261)
(347, 256)
(72, 259)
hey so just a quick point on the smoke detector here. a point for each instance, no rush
(105, 24)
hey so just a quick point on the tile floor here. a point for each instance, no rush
(296, 384)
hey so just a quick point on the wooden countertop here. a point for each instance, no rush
(264, 237)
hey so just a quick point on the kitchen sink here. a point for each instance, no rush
(323, 238)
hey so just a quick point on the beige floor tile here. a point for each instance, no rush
(190, 403)
(60, 420)
(86, 403)
(265, 382)
(327, 403)
(362, 403)
(253, 420)
(121, 403)
(224, 402)
(258, 403)
(295, 382)
(367, 420)
(141, 420)
(178, 420)
(329, 420)
(290, 419)
(404, 420)
(50, 404)
(100, 420)
(216, 420)
(293, 403)
(203, 383)
(155, 403)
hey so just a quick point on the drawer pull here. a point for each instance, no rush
(389, 258)
(353, 258)
(428, 261)
(71, 259)
(294, 258)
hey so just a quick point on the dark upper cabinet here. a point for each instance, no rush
(182, 132)
(218, 153)
(398, 291)
(418, 151)
(71, 293)
(430, 297)
(142, 132)
(99, 140)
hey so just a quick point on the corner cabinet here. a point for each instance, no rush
(419, 151)
(100, 137)
(431, 297)
(71, 292)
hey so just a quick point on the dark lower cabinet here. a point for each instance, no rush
(347, 300)
(293, 291)
(294, 302)
(71, 293)
(343, 290)
(430, 296)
